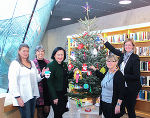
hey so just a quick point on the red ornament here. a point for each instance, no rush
(70, 66)
(84, 68)
(80, 46)
(89, 72)
(87, 109)
(85, 34)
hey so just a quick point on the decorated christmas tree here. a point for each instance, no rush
(89, 50)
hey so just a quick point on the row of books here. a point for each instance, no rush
(145, 65)
(138, 36)
(145, 80)
(117, 38)
(143, 51)
(144, 95)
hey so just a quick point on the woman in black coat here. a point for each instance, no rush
(113, 86)
(129, 64)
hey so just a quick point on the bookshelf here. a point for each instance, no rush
(141, 35)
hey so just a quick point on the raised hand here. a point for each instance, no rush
(43, 70)
(92, 67)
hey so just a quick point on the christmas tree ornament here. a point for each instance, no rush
(89, 73)
(73, 55)
(80, 46)
(47, 74)
(77, 87)
(87, 109)
(97, 40)
(85, 86)
(94, 52)
(79, 102)
(77, 75)
(103, 70)
(90, 89)
(70, 66)
(84, 68)
(85, 34)
(84, 56)
(71, 86)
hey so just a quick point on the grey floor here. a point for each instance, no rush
(75, 112)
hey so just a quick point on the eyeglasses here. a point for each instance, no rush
(110, 61)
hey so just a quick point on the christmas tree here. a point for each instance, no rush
(89, 51)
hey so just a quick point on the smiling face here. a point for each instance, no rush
(24, 53)
(40, 54)
(111, 63)
(128, 46)
(59, 56)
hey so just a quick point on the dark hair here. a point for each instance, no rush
(56, 50)
(20, 47)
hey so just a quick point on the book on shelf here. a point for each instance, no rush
(144, 95)
(145, 80)
(143, 51)
(145, 65)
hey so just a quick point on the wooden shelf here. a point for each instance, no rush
(145, 73)
(10, 108)
(145, 43)
(142, 100)
(143, 108)
(144, 58)
(142, 114)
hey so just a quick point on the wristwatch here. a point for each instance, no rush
(118, 104)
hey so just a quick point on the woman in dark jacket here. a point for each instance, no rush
(113, 86)
(58, 81)
(129, 64)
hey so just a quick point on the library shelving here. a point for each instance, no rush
(141, 35)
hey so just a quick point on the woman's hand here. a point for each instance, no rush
(55, 101)
(92, 67)
(43, 70)
(20, 102)
(117, 109)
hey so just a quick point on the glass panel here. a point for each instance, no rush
(13, 24)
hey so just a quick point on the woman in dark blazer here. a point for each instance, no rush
(129, 64)
(113, 85)
(58, 81)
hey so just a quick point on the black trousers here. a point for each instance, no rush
(108, 110)
(60, 108)
(130, 102)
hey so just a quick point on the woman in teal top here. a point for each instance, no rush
(58, 81)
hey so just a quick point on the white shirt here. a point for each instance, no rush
(23, 81)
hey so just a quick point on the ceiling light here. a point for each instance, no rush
(66, 18)
(125, 2)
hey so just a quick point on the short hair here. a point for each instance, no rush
(39, 47)
(112, 57)
(56, 50)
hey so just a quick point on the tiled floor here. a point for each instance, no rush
(74, 112)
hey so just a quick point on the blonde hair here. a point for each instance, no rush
(112, 57)
(129, 40)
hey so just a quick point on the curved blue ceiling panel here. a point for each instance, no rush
(13, 27)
